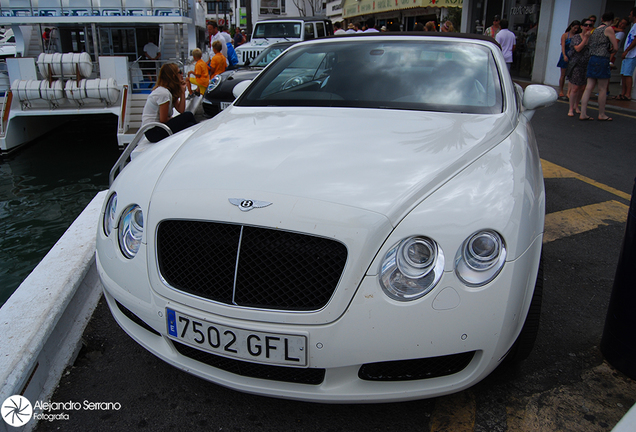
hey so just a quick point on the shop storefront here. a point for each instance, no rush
(523, 18)
(401, 15)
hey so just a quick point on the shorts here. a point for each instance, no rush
(599, 68)
(628, 66)
(202, 89)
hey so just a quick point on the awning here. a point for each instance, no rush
(352, 8)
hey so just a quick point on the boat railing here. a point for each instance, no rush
(144, 72)
(124, 159)
(56, 8)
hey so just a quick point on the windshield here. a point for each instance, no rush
(277, 30)
(269, 54)
(431, 75)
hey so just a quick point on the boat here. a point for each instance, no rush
(87, 57)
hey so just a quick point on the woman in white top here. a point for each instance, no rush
(168, 93)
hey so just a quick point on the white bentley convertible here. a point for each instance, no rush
(374, 235)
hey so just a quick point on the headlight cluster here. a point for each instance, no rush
(294, 81)
(214, 83)
(130, 226)
(109, 214)
(480, 258)
(414, 266)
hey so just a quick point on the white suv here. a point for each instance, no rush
(276, 30)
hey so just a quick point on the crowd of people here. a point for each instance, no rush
(172, 89)
(587, 58)
(369, 26)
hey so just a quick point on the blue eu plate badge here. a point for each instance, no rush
(172, 322)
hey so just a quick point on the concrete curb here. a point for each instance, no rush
(628, 422)
(43, 321)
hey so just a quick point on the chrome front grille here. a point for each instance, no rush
(249, 54)
(249, 266)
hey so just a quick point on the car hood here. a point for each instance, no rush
(242, 74)
(383, 161)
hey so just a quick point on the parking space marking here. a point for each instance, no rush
(607, 111)
(581, 219)
(454, 413)
(551, 170)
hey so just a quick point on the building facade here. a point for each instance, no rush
(245, 13)
(401, 14)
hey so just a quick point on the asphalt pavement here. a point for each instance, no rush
(565, 385)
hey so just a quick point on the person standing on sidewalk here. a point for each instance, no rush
(579, 55)
(494, 28)
(602, 43)
(566, 39)
(629, 60)
(508, 41)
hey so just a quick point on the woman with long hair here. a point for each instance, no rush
(602, 44)
(566, 39)
(168, 93)
(578, 56)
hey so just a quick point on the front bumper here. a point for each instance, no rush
(348, 358)
(211, 108)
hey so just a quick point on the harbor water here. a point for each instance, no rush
(45, 185)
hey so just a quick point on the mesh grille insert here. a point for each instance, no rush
(253, 370)
(415, 369)
(275, 269)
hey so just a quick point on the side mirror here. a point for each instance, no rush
(240, 88)
(538, 96)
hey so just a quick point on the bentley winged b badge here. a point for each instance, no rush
(247, 205)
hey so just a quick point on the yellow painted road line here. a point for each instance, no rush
(551, 170)
(454, 413)
(606, 110)
(578, 220)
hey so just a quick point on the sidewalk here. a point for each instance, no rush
(626, 107)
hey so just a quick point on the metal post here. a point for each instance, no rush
(95, 44)
(618, 343)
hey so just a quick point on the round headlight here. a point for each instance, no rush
(293, 82)
(412, 268)
(480, 258)
(131, 229)
(482, 250)
(214, 83)
(109, 214)
(415, 256)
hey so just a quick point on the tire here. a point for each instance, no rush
(524, 344)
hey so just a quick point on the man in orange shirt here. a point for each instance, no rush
(200, 77)
(218, 62)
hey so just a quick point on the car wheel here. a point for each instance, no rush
(522, 347)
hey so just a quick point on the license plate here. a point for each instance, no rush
(225, 105)
(250, 345)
